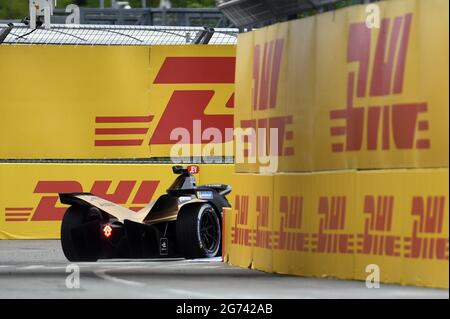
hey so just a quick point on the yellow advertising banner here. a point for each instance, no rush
(243, 97)
(290, 230)
(300, 91)
(191, 90)
(347, 93)
(114, 101)
(403, 219)
(331, 224)
(241, 224)
(29, 203)
(390, 225)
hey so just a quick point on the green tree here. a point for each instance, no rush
(13, 9)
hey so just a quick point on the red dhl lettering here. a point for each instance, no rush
(291, 209)
(119, 131)
(296, 241)
(332, 243)
(426, 248)
(262, 211)
(430, 211)
(425, 242)
(332, 210)
(282, 124)
(241, 207)
(383, 245)
(266, 74)
(183, 107)
(385, 81)
(239, 234)
(47, 208)
(196, 70)
(397, 122)
(263, 237)
(379, 214)
(289, 236)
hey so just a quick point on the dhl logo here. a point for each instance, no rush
(330, 238)
(266, 72)
(263, 234)
(290, 235)
(47, 209)
(379, 124)
(139, 132)
(427, 240)
(376, 240)
(241, 235)
(183, 107)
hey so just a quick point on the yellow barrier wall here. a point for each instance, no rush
(30, 208)
(110, 101)
(251, 222)
(337, 223)
(344, 97)
(347, 96)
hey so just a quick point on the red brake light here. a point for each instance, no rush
(107, 231)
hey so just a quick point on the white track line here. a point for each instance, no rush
(31, 267)
(102, 274)
(205, 260)
(188, 293)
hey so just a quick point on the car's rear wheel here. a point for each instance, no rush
(198, 231)
(76, 245)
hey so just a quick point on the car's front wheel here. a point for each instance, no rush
(198, 231)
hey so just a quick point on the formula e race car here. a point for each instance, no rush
(184, 222)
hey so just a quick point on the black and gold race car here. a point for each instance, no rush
(184, 222)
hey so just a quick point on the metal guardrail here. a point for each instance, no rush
(151, 160)
(115, 35)
(209, 17)
(256, 13)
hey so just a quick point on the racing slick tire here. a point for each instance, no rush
(73, 218)
(198, 233)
